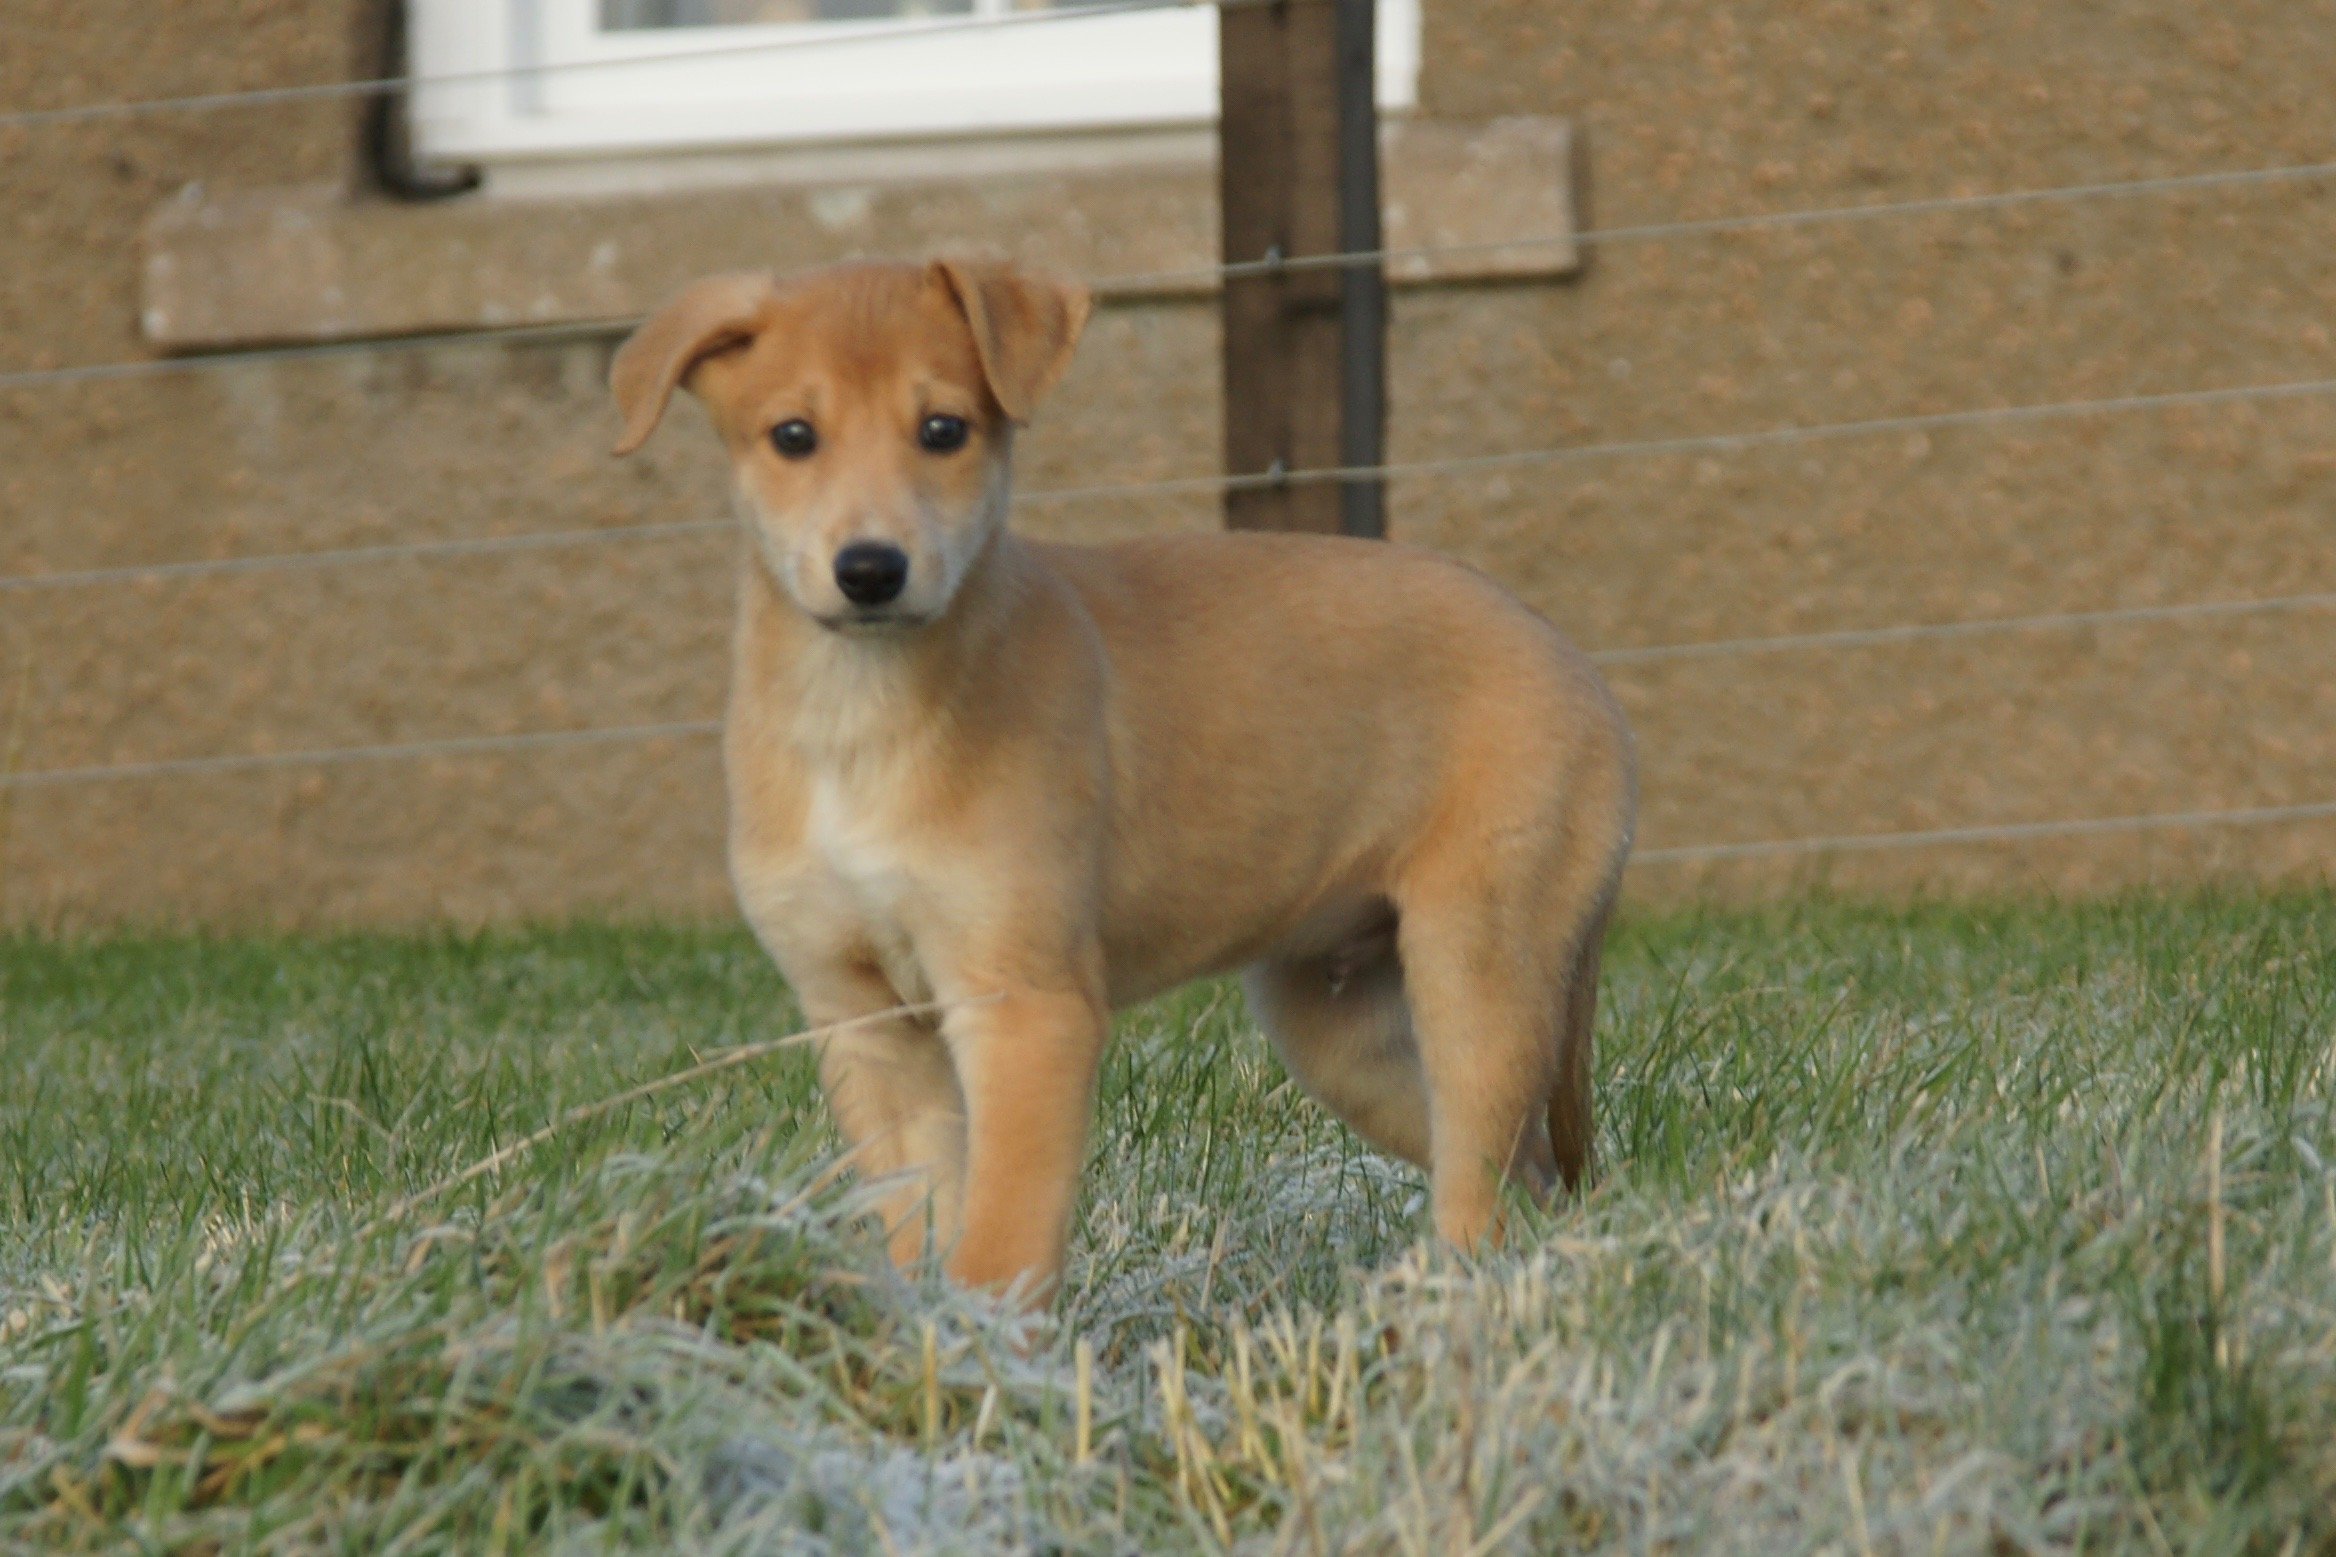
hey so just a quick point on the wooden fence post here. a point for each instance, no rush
(1305, 350)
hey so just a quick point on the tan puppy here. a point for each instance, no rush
(1038, 782)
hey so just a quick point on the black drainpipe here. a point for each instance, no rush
(388, 134)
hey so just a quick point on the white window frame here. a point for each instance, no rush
(538, 78)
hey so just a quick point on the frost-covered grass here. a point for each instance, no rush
(1936, 1229)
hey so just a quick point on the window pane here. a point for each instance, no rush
(641, 15)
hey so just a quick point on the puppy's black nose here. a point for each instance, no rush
(871, 573)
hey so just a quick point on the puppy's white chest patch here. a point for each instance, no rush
(847, 829)
(847, 833)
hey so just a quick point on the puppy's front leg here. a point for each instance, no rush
(893, 1092)
(1026, 1061)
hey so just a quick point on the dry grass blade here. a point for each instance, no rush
(584, 1113)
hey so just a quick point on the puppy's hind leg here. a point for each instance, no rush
(1344, 1031)
(1487, 1016)
(1500, 955)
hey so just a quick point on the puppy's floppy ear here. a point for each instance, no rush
(1025, 325)
(704, 318)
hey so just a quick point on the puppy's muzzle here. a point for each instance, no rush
(871, 573)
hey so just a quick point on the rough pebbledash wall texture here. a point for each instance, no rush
(1691, 110)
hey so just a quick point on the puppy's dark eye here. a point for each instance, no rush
(943, 434)
(795, 439)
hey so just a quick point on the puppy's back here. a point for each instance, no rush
(1289, 607)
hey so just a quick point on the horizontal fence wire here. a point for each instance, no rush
(2004, 832)
(1711, 226)
(1688, 854)
(1973, 627)
(331, 756)
(1777, 437)
(1138, 282)
(358, 556)
(786, 43)
(1467, 464)
(1842, 638)
(1701, 649)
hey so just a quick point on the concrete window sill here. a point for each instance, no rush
(310, 263)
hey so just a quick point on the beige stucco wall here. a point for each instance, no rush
(1692, 110)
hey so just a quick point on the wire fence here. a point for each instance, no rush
(1844, 639)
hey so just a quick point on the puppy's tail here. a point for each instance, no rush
(1572, 1122)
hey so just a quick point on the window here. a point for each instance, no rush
(604, 77)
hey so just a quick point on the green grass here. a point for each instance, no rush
(1940, 1229)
